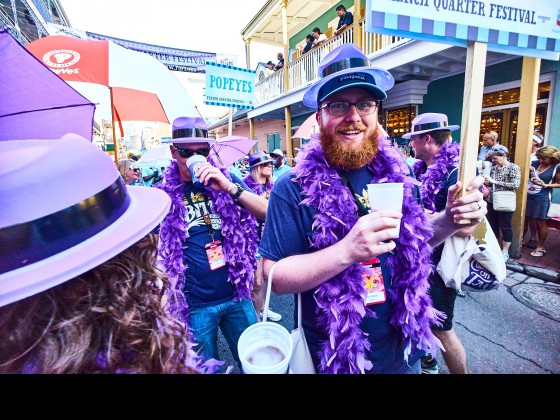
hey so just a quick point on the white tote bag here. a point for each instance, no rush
(474, 263)
(301, 361)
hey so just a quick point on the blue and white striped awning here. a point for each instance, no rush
(505, 28)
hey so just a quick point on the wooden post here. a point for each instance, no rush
(525, 127)
(289, 142)
(356, 28)
(252, 133)
(115, 151)
(248, 53)
(472, 105)
(230, 121)
(285, 41)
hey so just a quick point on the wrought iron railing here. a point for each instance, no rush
(303, 70)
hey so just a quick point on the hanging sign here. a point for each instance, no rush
(229, 86)
(515, 27)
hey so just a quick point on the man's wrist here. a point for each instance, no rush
(238, 191)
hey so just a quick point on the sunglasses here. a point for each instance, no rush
(135, 169)
(187, 153)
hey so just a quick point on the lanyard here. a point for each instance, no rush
(208, 223)
(362, 210)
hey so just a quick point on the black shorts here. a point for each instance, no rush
(443, 299)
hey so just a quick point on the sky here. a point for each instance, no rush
(210, 26)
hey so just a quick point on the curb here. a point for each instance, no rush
(539, 273)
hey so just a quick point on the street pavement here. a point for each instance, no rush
(512, 330)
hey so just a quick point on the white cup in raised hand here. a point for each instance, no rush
(387, 196)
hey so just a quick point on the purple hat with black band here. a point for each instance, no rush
(344, 67)
(62, 217)
(259, 158)
(189, 130)
(430, 121)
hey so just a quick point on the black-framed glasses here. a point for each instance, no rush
(187, 153)
(340, 109)
(135, 169)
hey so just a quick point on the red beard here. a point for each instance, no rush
(341, 155)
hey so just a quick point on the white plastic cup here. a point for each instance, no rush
(193, 163)
(265, 348)
(387, 196)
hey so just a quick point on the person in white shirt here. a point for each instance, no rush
(489, 140)
(319, 37)
(537, 142)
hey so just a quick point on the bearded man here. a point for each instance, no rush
(364, 287)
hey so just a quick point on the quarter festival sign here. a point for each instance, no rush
(515, 27)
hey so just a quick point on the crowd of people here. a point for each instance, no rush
(502, 175)
(109, 275)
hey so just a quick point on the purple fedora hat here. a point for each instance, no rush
(189, 130)
(65, 210)
(347, 66)
(430, 121)
(259, 158)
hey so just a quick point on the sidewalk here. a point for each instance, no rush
(546, 267)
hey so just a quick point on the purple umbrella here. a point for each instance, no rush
(36, 103)
(230, 149)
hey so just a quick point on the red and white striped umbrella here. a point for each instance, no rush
(133, 85)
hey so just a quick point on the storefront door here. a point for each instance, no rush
(502, 118)
(504, 122)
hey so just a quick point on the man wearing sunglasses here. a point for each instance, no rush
(207, 244)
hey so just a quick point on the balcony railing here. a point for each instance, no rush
(303, 70)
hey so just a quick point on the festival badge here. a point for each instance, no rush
(373, 282)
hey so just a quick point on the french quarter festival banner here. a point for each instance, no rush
(517, 27)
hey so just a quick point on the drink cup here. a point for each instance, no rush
(388, 196)
(193, 163)
(265, 348)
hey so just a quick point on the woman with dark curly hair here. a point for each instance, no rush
(80, 291)
(545, 175)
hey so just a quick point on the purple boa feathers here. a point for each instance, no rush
(172, 232)
(255, 186)
(240, 241)
(341, 300)
(432, 176)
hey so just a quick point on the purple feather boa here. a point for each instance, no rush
(433, 175)
(340, 300)
(256, 187)
(240, 240)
